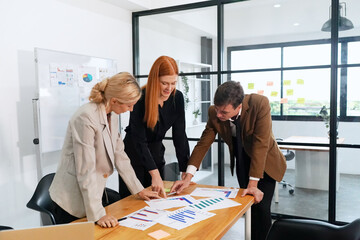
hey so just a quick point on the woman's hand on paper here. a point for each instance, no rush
(107, 221)
(148, 194)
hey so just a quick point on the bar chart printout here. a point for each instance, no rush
(208, 204)
(215, 192)
(184, 217)
(143, 218)
(171, 202)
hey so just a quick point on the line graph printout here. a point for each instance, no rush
(208, 204)
(171, 202)
(184, 217)
(143, 218)
(215, 192)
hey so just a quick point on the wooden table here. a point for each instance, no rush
(211, 228)
(311, 162)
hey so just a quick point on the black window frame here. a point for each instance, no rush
(342, 66)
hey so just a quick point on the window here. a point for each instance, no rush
(295, 76)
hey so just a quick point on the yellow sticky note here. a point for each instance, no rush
(287, 82)
(159, 234)
(274, 93)
(301, 100)
(251, 85)
(290, 92)
(284, 100)
(260, 92)
(300, 81)
(167, 190)
(269, 83)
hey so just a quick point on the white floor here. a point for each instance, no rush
(237, 231)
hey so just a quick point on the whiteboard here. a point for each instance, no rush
(64, 82)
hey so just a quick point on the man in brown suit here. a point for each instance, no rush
(244, 123)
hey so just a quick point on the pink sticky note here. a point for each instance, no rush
(284, 100)
(159, 234)
(269, 83)
(261, 92)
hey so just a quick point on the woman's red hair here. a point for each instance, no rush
(163, 66)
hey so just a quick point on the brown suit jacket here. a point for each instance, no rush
(257, 138)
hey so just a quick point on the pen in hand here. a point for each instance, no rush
(172, 193)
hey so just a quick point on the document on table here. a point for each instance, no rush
(215, 192)
(171, 202)
(208, 204)
(184, 217)
(143, 218)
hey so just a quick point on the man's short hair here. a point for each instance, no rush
(230, 92)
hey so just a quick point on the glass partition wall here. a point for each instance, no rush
(286, 51)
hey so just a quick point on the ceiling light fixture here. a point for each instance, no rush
(344, 23)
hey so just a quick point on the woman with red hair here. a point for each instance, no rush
(160, 108)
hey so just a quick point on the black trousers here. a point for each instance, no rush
(261, 212)
(61, 216)
(144, 177)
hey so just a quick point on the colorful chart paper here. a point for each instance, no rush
(171, 202)
(143, 218)
(215, 192)
(210, 204)
(184, 217)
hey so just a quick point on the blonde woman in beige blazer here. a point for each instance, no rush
(92, 148)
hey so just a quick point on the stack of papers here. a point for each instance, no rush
(193, 210)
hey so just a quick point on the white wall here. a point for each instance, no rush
(86, 27)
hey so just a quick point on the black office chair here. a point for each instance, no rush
(300, 229)
(5, 228)
(42, 202)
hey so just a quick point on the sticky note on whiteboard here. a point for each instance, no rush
(287, 82)
(300, 81)
(284, 100)
(301, 100)
(290, 92)
(251, 85)
(274, 93)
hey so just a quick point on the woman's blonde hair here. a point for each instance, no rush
(163, 66)
(121, 86)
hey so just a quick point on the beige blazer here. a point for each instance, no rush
(89, 154)
(257, 138)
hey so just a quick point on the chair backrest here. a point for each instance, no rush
(299, 229)
(5, 228)
(288, 154)
(41, 200)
